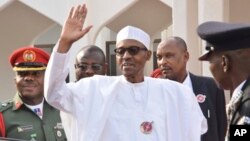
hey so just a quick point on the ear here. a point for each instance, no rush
(15, 81)
(186, 55)
(149, 53)
(225, 63)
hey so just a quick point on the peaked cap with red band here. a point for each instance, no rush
(29, 59)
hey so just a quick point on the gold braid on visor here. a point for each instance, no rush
(29, 69)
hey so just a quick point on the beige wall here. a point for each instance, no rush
(30, 22)
(19, 26)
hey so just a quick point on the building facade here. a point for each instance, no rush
(39, 22)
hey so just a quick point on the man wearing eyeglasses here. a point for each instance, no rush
(90, 60)
(130, 107)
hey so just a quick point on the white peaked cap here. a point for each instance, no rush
(131, 32)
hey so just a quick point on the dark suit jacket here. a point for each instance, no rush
(213, 108)
(243, 109)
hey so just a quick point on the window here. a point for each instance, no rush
(111, 59)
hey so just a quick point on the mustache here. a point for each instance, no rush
(127, 63)
(165, 68)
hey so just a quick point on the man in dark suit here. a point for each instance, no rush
(228, 47)
(172, 58)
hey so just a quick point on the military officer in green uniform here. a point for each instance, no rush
(28, 116)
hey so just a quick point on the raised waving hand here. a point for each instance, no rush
(73, 28)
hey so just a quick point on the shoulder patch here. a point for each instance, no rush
(6, 105)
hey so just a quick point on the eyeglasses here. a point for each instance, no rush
(84, 67)
(133, 50)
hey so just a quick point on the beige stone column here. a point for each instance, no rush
(185, 21)
(211, 10)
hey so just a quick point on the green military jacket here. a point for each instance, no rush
(22, 123)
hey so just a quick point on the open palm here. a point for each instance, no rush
(73, 28)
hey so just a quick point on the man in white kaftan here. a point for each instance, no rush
(130, 107)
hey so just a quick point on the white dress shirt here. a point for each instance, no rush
(188, 82)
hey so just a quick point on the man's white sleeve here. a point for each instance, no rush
(56, 91)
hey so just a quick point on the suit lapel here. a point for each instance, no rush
(200, 92)
(196, 84)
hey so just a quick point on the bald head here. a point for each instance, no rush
(91, 51)
(172, 57)
(175, 41)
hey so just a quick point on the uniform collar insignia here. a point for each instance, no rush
(24, 128)
(17, 102)
(58, 126)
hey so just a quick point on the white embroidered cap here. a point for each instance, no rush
(131, 32)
